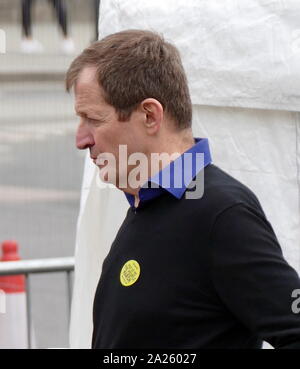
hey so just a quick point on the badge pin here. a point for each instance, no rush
(130, 273)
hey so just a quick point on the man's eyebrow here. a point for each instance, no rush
(80, 113)
(83, 114)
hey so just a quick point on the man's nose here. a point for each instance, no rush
(84, 138)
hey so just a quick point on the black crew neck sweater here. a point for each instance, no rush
(212, 275)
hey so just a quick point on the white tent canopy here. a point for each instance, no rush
(242, 60)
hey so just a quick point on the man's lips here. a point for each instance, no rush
(101, 159)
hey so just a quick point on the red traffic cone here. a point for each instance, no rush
(13, 321)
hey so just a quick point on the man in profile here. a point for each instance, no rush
(195, 264)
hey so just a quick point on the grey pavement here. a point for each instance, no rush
(40, 178)
(40, 171)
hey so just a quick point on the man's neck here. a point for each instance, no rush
(185, 144)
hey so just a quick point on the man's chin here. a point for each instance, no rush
(109, 177)
(106, 178)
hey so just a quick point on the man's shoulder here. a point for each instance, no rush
(222, 191)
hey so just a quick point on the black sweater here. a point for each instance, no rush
(212, 275)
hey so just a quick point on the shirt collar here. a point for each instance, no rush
(176, 177)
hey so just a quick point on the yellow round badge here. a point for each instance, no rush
(130, 273)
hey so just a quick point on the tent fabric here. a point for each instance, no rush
(243, 54)
(102, 211)
(245, 91)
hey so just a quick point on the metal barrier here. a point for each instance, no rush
(27, 267)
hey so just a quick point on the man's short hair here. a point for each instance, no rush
(133, 65)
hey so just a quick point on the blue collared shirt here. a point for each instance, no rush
(175, 177)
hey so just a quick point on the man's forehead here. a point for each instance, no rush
(86, 86)
(85, 98)
(86, 82)
(88, 74)
(88, 94)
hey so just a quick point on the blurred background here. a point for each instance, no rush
(40, 168)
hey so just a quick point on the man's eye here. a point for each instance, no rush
(93, 121)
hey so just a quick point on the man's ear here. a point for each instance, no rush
(154, 113)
